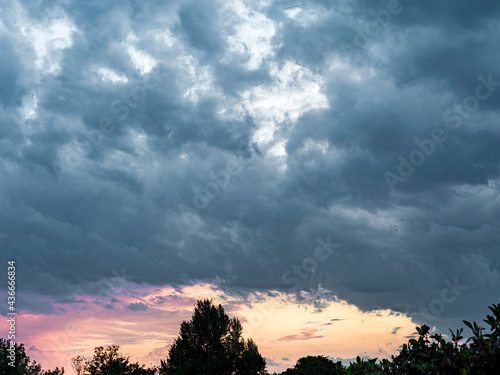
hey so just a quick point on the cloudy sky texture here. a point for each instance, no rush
(157, 152)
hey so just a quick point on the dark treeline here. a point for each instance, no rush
(211, 343)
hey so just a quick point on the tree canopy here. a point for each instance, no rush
(109, 361)
(318, 365)
(425, 355)
(211, 343)
(22, 363)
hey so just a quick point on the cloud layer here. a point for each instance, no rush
(216, 142)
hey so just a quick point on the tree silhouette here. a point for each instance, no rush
(109, 361)
(23, 365)
(78, 363)
(211, 344)
(313, 365)
(427, 354)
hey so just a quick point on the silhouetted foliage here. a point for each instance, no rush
(318, 365)
(429, 354)
(79, 363)
(56, 371)
(23, 365)
(211, 344)
(109, 361)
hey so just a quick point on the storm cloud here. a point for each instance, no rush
(216, 142)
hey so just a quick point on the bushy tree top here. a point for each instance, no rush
(428, 354)
(22, 363)
(211, 343)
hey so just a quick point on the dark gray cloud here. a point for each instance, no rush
(137, 307)
(395, 330)
(133, 155)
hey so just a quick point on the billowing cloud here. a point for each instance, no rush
(221, 143)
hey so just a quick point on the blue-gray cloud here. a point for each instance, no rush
(134, 136)
(139, 306)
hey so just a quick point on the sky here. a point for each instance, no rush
(329, 171)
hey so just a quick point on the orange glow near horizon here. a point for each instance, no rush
(145, 320)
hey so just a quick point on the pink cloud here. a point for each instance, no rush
(303, 335)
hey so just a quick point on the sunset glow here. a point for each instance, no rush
(145, 320)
